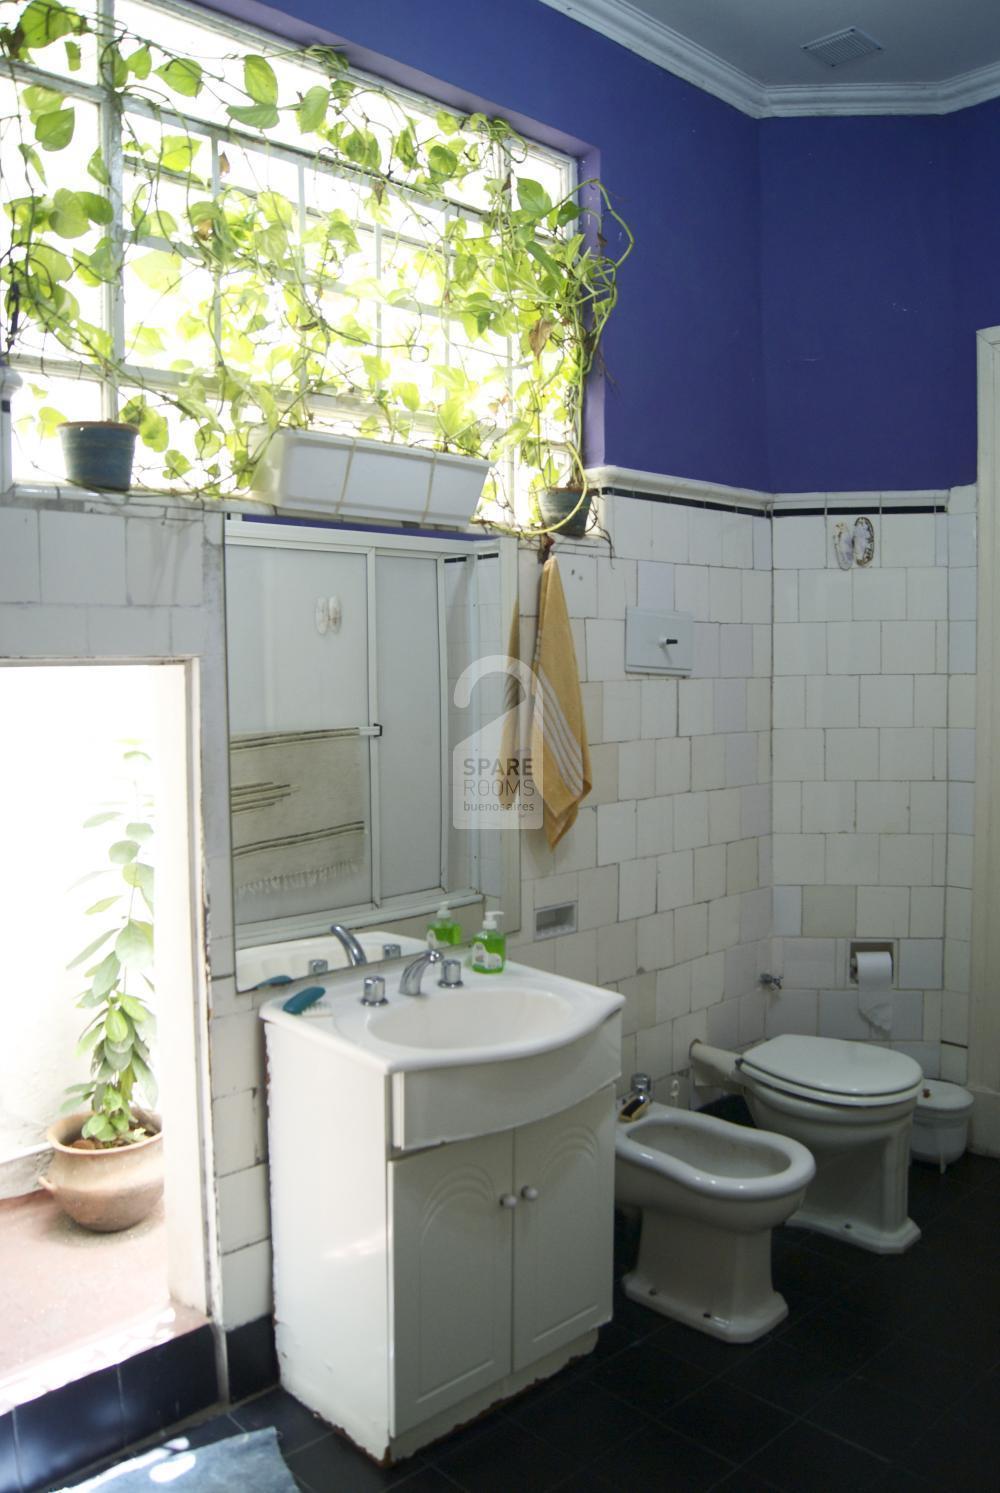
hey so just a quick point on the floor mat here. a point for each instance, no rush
(251, 1461)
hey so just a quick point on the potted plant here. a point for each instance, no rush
(99, 453)
(107, 1166)
(565, 507)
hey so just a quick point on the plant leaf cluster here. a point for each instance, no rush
(116, 963)
(422, 258)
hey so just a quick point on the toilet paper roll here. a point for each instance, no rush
(875, 988)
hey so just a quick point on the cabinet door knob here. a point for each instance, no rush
(529, 1193)
(508, 1200)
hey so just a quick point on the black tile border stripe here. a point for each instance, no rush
(835, 510)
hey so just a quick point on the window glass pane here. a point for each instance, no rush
(44, 401)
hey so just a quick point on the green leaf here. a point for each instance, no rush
(409, 394)
(123, 851)
(32, 159)
(140, 876)
(116, 1027)
(97, 169)
(182, 75)
(139, 830)
(90, 949)
(69, 211)
(177, 152)
(49, 421)
(135, 1008)
(88, 1040)
(145, 1078)
(134, 945)
(259, 79)
(54, 130)
(447, 123)
(103, 904)
(98, 208)
(105, 975)
(45, 21)
(103, 818)
(158, 269)
(443, 162)
(532, 197)
(98, 1128)
(312, 109)
(73, 57)
(262, 116)
(140, 62)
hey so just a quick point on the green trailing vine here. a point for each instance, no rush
(247, 308)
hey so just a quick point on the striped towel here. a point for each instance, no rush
(560, 754)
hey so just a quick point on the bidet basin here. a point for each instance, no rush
(481, 1019)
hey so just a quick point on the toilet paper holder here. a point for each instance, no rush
(870, 946)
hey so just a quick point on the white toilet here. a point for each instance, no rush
(852, 1104)
(710, 1193)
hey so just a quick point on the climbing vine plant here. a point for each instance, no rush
(225, 239)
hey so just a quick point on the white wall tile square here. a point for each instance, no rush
(887, 700)
(82, 558)
(884, 808)
(851, 859)
(908, 539)
(828, 808)
(670, 533)
(825, 596)
(615, 833)
(879, 594)
(883, 911)
(927, 593)
(785, 593)
(854, 648)
(787, 904)
(675, 880)
(19, 555)
(655, 585)
(792, 1011)
(831, 700)
(906, 754)
(800, 648)
(799, 543)
(909, 647)
(798, 755)
(930, 700)
(852, 754)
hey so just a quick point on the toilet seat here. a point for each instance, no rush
(827, 1070)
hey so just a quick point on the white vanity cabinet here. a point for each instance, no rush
(502, 1254)
(442, 1227)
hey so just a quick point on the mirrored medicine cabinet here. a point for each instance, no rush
(344, 647)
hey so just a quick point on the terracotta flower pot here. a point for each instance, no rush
(105, 1190)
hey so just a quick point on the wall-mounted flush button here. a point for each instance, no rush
(658, 642)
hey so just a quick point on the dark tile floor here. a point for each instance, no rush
(885, 1377)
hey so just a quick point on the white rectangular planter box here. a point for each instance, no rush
(350, 477)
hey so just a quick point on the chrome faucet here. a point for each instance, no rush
(355, 953)
(409, 982)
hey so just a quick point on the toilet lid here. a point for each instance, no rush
(828, 1065)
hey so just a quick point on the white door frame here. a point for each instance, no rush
(984, 1031)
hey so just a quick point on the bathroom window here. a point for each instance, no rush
(171, 309)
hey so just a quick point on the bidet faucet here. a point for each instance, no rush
(355, 953)
(409, 981)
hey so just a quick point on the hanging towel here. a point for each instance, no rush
(558, 733)
(297, 808)
(511, 756)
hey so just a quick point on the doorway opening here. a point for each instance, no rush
(82, 744)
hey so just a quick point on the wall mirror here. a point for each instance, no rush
(343, 650)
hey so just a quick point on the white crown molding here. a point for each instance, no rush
(621, 22)
(659, 484)
(660, 44)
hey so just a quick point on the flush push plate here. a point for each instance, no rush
(658, 642)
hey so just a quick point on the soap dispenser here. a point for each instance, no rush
(444, 930)
(489, 949)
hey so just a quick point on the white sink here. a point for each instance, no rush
(484, 1018)
(502, 1050)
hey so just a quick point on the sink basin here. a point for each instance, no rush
(503, 1050)
(468, 1019)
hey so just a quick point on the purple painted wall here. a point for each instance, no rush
(684, 389)
(800, 310)
(860, 347)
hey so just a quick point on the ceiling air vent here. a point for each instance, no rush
(842, 46)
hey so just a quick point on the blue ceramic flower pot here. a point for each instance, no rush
(98, 453)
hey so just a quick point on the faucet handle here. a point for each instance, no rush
(451, 974)
(373, 991)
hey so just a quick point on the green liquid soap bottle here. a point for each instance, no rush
(489, 950)
(444, 931)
